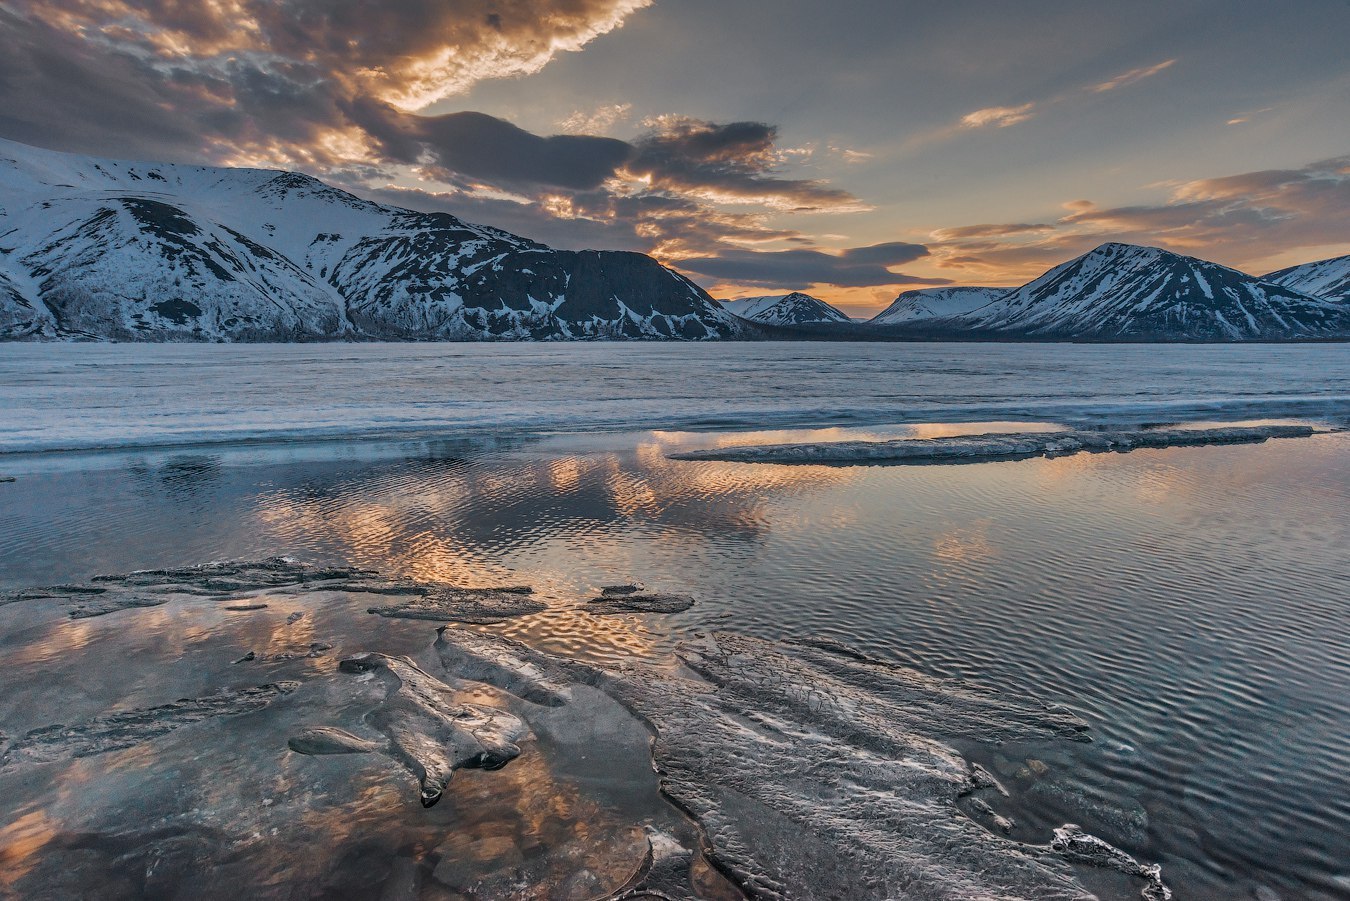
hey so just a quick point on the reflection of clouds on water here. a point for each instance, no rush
(1187, 599)
(460, 523)
(963, 548)
(50, 642)
(21, 841)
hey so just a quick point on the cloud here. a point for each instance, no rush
(1006, 116)
(731, 163)
(261, 81)
(598, 121)
(410, 54)
(1246, 215)
(858, 267)
(1132, 76)
(1243, 118)
(312, 85)
(488, 149)
(1240, 220)
(990, 230)
(998, 116)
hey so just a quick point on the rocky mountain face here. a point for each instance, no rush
(935, 303)
(785, 309)
(1122, 292)
(1328, 279)
(104, 249)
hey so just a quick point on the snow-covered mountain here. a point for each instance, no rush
(1329, 279)
(1121, 292)
(934, 303)
(785, 309)
(157, 252)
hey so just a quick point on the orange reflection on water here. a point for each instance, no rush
(20, 842)
(565, 473)
(965, 547)
(58, 640)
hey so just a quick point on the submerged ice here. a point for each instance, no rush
(797, 769)
(814, 771)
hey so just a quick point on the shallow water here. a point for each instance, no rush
(1191, 604)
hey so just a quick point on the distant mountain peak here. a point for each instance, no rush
(796, 308)
(1129, 292)
(1328, 279)
(926, 304)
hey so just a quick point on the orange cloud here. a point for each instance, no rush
(1130, 77)
(998, 116)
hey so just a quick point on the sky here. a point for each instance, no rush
(853, 149)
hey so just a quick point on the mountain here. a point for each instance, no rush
(1121, 292)
(94, 248)
(1328, 279)
(935, 303)
(785, 309)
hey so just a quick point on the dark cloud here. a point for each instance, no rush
(493, 150)
(57, 91)
(733, 162)
(893, 253)
(288, 83)
(861, 267)
(332, 87)
(409, 53)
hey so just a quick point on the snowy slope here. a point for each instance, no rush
(933, 303)
(157, 252)
(785, 309)
(1126, 292)
(1329, 279)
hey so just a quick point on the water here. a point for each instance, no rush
(1192, 604)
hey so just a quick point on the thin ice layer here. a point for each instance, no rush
(994, 446)
(815, 771)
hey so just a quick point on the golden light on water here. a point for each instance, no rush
(21, 840)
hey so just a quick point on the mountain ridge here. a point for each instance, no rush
(101, 249)
(1328, 279)
(1126, 292)
(935, 303)
(133, 251)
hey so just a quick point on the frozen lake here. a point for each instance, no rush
(1189, 604)
(100, 395)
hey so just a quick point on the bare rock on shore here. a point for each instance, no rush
(639, 603)
(993, 446)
